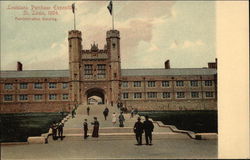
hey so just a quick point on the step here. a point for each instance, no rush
(119, 136)
(101, 130)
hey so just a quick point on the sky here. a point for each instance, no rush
(151, 32)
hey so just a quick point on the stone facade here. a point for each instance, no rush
(97, 72)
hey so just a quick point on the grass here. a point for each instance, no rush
(196, 121)
(18, 127)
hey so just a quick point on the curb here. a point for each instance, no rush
(192, 135)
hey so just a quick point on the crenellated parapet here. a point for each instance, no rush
(74, 34)
(113, 34)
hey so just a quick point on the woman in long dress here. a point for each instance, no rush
(96, 124)
(113, 118)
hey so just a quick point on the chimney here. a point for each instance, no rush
(19, 66)
(167, 64)
(213, 64)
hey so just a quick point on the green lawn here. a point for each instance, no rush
(18, 127)
(196, 121)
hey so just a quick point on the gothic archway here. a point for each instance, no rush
(95, 96)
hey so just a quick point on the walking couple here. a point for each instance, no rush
(147, 126)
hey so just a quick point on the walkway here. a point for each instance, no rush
(114, 142)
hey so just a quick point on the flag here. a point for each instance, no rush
(110, 7)
(73, 7)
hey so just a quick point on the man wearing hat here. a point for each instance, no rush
(138, 130)
(148, 127)
(85, 128)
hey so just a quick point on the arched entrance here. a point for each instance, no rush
(95, 96)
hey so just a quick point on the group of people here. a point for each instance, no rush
(147, 126)
(57, 130)
(95, 124)
(120, 118)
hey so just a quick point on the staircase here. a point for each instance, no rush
(73, 128)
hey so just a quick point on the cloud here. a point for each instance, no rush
(153, 47)
(186, 44)
(136, 22)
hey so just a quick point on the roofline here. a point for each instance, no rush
(122, 69)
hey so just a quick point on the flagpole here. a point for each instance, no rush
(113, 17)
(74, 20)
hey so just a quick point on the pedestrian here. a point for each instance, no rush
(105, 113)
(114, 118)
(96, 125)
(85, 128)
(88, 110)
(60, 130)
(121, 120)
(73, 113)
(148, 127)
(138, 130)
(54, 131)
(118, 105)
(132, 113)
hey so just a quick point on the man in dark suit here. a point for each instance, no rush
(148, 127)
(85, 128)
(138, 129)
(60, 130)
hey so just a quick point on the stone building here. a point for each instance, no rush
(97, 72)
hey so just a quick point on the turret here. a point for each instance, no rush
(75, 47)
(113, 46)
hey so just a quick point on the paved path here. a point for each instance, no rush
(114, 142)
(74, 125)
(112, 149)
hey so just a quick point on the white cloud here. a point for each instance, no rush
(153, 47)
(186, 44)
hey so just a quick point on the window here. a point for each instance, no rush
(166, 95)
(165, 83)
(152, 95)
(124, 84)
(52, 96)
(101, 70)
(38, 97)
(64, 85)
(23, 85)
(38, 86)
(8, 86)
(137, 95)
(125, 95)
(208, 83)
(180, 95)
(52, 85)
(179, 83)
(65, 96)
(88, 69)
(194, 83)
(209, 94)
(195, 94)
(8, 98)
(151, 83)
(23, 97)
(137, 84)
